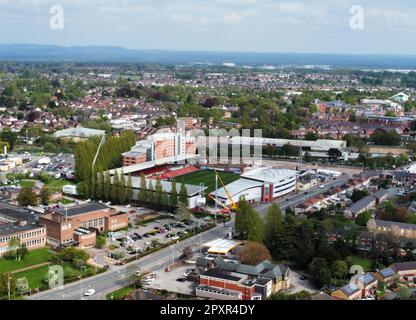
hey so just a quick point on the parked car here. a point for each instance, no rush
(181, 280)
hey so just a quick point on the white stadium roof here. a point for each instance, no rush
(269, 174)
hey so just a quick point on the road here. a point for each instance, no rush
(297, 199)
(118, 277)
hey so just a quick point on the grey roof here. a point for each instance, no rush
(361, 204)
(381, 193)
(350, 289)
(215, 273)
(10, 229)
(368, 278)
(404, 266)
(401, 225)
(265, 269)
(387, 272)
(12, 213)
(81, 209)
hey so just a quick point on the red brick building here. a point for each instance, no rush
(77, 225)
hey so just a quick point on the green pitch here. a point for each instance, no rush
(207, 177)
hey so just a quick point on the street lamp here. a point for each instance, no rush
(81, 269)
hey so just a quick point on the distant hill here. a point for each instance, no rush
(29, 52)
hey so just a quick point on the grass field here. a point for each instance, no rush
(366, 264)
(207, 177)
(27, 183)
(33, 258)
(35, 277)
(57, 184)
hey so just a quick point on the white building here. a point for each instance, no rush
(259, 184)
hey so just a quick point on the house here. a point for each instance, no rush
(368, 284)
(347, 292)
(360, 206)
(381, 195)
(398, 229)
(405, 270)
(386, 275)
(306, 182)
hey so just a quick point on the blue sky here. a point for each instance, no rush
(320, 26)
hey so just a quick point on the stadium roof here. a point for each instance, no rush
(167, 186)
(151, 164)
(234, 188)
(318, 145)
(269, 174)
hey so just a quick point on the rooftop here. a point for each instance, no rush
(78, 132)
(81, 209)
(269, 174)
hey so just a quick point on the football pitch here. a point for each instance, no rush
(207, 177)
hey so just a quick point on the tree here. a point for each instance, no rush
(404, 293)
(18, 249)
(254, 253)
(107, 187)
(129, 189)
(248, 224)
(100, 242)
(150, 193)
(121, 191)
(339, 270)
(159, 194)
(27, 197)
(272, 226)
(358, 195)
(334, 154)
(143, 189)
(183, 213)
(320, 273)
(363, 218)
(173, 195)
(311, 136)
(99, 188)
(183, 194)
(45, 194)
(114, 188)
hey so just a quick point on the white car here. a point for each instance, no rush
(175, 238)
(147, 243)
(89, 292)
(128, 206)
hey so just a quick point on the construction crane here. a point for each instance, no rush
(233, 206)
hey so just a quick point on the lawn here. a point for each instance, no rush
(207, 177)
(366, 264)
(120, 293)
(33, 258)
(27, 183)
(57, 184)
(35, 277)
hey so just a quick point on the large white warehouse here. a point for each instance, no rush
(262, 184)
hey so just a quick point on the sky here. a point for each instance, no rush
(304, 26)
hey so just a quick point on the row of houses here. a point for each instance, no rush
(365, 285)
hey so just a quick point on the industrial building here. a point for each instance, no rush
(319, 145)
(261, 184)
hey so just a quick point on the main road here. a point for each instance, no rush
(119, 276)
